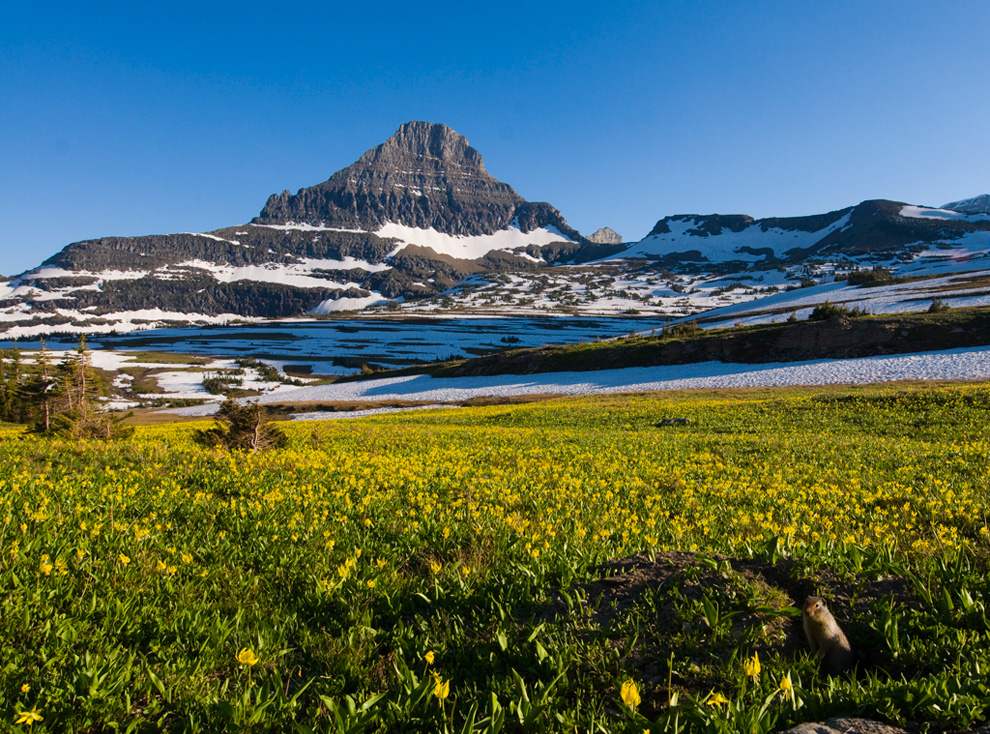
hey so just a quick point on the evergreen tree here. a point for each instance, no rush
(68, 400)
(40, 392)
(13, 407)
(47, 386)
(244, 427)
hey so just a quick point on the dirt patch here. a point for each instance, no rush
(712, 609)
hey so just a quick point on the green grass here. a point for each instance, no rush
(167, 358)
(531, 558)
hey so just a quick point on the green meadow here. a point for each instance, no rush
(569, 565)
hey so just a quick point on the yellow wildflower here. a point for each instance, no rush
(752, 666)
(441, 688)
(716, 699)
(429, 657)
(25, 688)
(124, 560)
(785, 684)
(629, 693)
(435, 566)
(28, 717)
(246, 656)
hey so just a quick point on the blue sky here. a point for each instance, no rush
(141, 118)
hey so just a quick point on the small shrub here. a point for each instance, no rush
(685, 329)
(873, 276)
(222, 382)
(242, 427)
(826, 311)
(938, 306)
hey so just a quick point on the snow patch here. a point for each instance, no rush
(211, 236)
(471, 247)
(347, 303)
(921, 212)
(305, 227)
(954, 364)
(726, 245)
(298, 274)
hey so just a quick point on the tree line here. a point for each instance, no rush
(64, 399)
(57, 398)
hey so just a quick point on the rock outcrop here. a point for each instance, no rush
(606, 236)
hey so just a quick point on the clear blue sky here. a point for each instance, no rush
(139, 118)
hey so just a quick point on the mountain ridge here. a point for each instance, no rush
(417, 223)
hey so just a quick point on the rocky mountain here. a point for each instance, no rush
(872, 231)
(425, 176)
(417, 224)
(412, 217)
(605, 236)
(693, 264)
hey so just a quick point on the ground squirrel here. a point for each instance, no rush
(825, 637)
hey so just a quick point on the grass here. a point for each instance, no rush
(168, 358)
(506, 568)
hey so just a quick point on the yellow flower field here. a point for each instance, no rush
(154, 583)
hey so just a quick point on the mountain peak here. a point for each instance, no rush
(429, 140)
(605, 236)
(426, 175)
(977, 205)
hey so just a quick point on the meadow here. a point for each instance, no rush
(568, 565)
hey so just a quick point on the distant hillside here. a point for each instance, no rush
(873, 231)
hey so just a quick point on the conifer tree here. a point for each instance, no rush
(69, 400)
(244, 427)
(12, 404)
(40, 392)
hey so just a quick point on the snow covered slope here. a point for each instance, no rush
(977, 205)
(872, 231)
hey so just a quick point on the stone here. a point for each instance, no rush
(605, 236)
(842, 725)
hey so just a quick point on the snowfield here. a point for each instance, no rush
(953, 364)
(728, 244)
(921, 212)
(470, 247)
